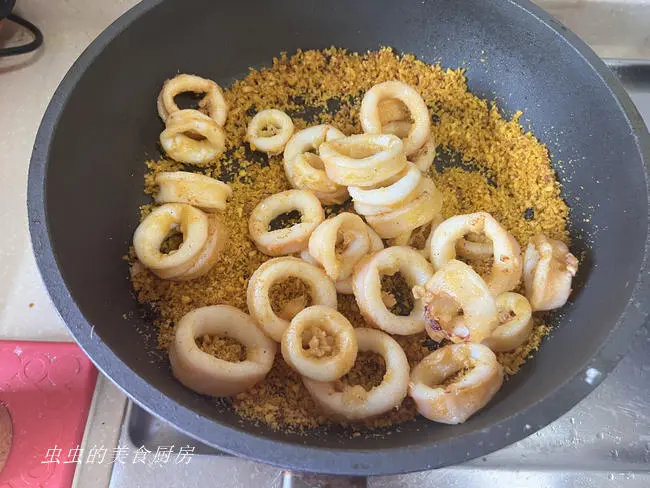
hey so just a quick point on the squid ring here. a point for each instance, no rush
(194, 189)
(370, 113)
(155, 228)
(366, 284)
(515, 318)
(364, 159)
(207, 374)
(178, 144)
(407, 239)
(414, 214)
(305, 170)
(288, 240)
(213, 102)
(507, 267)
(321, 290)
(207, 258)
(549, 268)
(355, 402)
(399, 128)
(454, 403)
(423, 157)
(470, 249)
(315, 364)
(269, 131)
(353, 232)
(393, 193)
(453, 289)
(344, 286)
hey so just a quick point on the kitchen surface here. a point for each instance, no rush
(604, 441)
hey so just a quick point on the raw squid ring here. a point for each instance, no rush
(305, 170)
(366, 283)
(391, 194)
(423, 157)
(354, 402)
(344, 286)
(412, 215)
(207, 374)
(321, 290)
(363, 160)
(155, 228)
(281, 127)
(507, 267)
(194, 189)
(453, 289)
(326, 368)
(549, 268)
(207, 258)
(456, 402)
(324, 239)
(292, 239)
(213, 102)
(515, 319)
(178, 144)
(370, 116)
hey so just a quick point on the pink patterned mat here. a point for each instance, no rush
(47, 388)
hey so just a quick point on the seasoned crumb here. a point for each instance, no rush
(484, 163)
(368, 371)
(224, 348)
(513, 360)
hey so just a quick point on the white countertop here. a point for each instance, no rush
(27, 83)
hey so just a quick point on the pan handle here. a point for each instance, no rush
(291, 479)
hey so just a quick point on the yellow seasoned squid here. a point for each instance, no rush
(506, 270)
(195, 189)
(203, 239)
(212, 104)
(331, 344)
(366, 284)
(458, 304)
(515, 323)
(181, 142)
(395, 119)
(356, 403)
(371, 119)
(207, 374)
(293, 239)
(305, 170)
(344, 286)
(321, 291)
(363, 160)
(425, 206)
(346, 230)
(480, 378)
(549, 268)
(269, 131)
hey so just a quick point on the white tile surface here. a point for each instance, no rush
(27, 83)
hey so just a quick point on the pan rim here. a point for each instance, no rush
(292, 455)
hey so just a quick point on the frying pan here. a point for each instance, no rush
(85, 185)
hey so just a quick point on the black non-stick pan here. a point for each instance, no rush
(85, 185)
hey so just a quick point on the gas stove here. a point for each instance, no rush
(604, 441)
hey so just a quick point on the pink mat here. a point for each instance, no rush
(47, 388)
